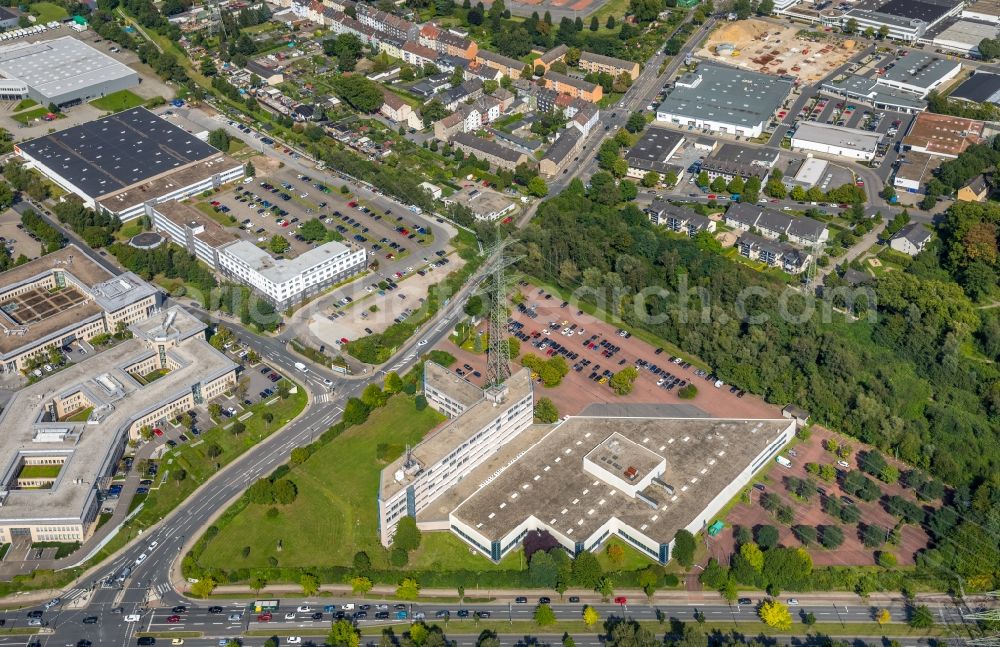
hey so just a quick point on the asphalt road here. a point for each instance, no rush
(112, 629)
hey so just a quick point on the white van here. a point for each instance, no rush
(132, 618)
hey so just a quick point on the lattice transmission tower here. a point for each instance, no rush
(495, 288)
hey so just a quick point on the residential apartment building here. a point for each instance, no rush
(509, 67)
(773, 253)
(561, 152)
(386, 22)
(732, 160)
(400, 112)
(775, 224)
(911, 239)
(597, 63)
(495, 153)
(677, 219)
(464, 93)
(557, 53)
(574, 87)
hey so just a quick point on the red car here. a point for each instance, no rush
(157, 431)
(860, 182)
(343, 340)
(352, 203)
(174, 618)
(264, 617)
(711, 196)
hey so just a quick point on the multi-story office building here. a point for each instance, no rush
(64, 435)
(62, 297)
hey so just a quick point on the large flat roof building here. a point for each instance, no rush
(125, 160)
(841, 141)
(724, 99)
(732, 160)
(61, 71)
(981, 87)
(964, 36)
(983, 10)
(62, 297)
(918, 73)
(53, 465)
(943, 135)
(653, 152)
(489, 475)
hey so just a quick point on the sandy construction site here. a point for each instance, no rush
(771, 48)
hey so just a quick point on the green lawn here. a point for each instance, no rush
(118, 101)
(152, 376)
(128, 231)
(30, 115)
(39, 471)
(335, 513)
(25, 104)
(48, 11)
(80, 416)
(223, 219)
(192, 457)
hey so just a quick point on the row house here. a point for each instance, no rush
(775, 224)
(386, 22)
(545, 60)
(448, 42)
(561, 152)
(773, 253)
(340, 23)
(416, 54)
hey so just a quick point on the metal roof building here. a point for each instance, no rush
(719, 98)
(836, 140)
(64, 70)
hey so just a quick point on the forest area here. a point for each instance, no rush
(912, 379)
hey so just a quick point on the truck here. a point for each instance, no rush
(265, 606)
(781, 460)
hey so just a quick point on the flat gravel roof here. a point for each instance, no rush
(118, 151)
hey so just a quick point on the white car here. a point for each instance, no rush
(294, 640)
(844, 464)
(152, 546)
(422, 342)
(792, 602)
(140, 559)
(304, 609)
(289, 616)
(132, 617)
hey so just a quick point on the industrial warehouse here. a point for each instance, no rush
(587, 478)
(122, 162)
(63, 436)
(61, 71)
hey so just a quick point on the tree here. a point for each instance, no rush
(650, 179)
(278, 244)
(873, 536)
(684, 546)
(537, 187)
(610, 23)
(765, 8)
(719, 184)
(203, 587)
(309, 583)
(989, 48)
(831, 536)
(544, 615)
(805, 534)
(883, 616)
(546, 411)
(586, 570)
(775, 614)
(622, 381)
(360, 585)
(851, 26)
(407, 535)
(408, 589)
(629, 633)
(753, 556)
(373, 397)
(921, 617)
(636, 122)
(362, 94)
(343, 633)
(393, 383)
(766, 536)
(219, 139)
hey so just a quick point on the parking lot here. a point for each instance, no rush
(394, 299)
(283, 202)
(17, 240)
(594, 350)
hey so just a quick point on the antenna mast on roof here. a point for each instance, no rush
(495, 289)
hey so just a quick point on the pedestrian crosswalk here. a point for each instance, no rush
(72, 594)
(325, 397)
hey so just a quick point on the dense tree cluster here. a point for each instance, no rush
(52, 239)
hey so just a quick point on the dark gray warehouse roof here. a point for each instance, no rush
(117, 151)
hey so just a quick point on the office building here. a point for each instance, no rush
(62, 71)
(63, 297)
(285, 281)
(124, 161)
(64, 435)
(841, 141)
(724, 99)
